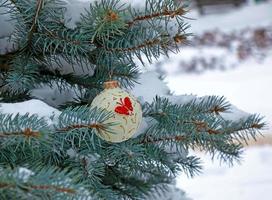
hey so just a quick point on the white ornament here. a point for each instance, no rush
(127, 112)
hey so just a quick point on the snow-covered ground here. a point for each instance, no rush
(250, 180)
(248, 86)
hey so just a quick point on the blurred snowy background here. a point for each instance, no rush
(230, 55)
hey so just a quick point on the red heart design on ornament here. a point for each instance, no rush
(125, 107)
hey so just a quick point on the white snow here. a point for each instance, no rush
(6, 45)
(173, 193)
(74, 10)
(52, 95)
(248, 86)
(32, 107)
(150, 86)
(252, 179)
(7, 26)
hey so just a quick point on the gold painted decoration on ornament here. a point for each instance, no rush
(126, 109)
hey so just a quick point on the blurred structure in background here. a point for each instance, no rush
(216, 6)
(206, 5)
(223, 40)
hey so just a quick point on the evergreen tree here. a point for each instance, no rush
(65, 159)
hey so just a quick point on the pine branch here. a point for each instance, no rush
(33, 27)
(5, 60)
(54, 36)
(97, 127)
(202, 127)
(164, 13)
(27, 126)
(44, 182)
(14, 2)
(198, 124)
(80, 125)
(39, 187)
(10, 97)
(149, 140)
(82, 117)
(22, 77)
(69, 44)
(87, 169)
(30, 21)
(125, 73)
(26, 133)
(190, 165)
(146, 44)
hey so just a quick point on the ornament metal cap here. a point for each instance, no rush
(111, 84)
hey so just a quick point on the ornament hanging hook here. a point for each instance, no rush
(111, 74)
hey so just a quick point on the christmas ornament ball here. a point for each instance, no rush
(127, 112)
